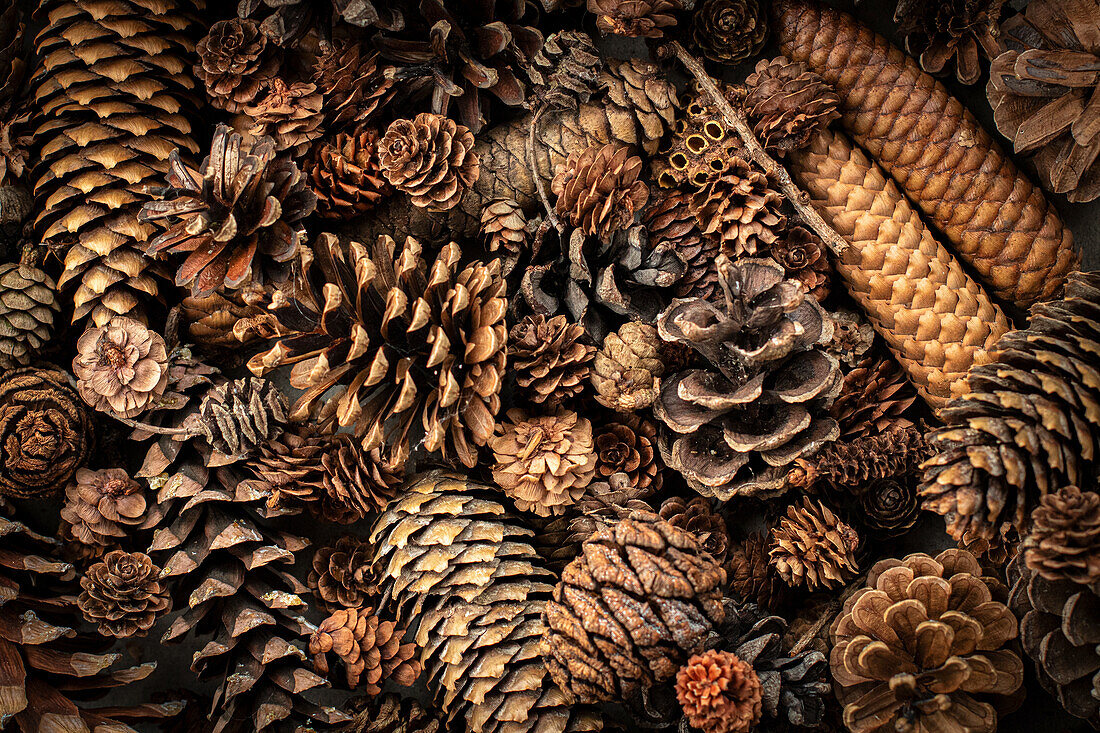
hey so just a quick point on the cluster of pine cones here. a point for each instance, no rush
(417, 366)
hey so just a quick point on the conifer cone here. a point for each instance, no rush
(1027, 427)
(853, 336)
(811, 547)
(369, 647)
(566, 71)
(431, 158)
(888, 508)
(235, 63)
(739, 209)
(377, 323)
(211, 320)
(718, 692)
(897, 453)
(696, 515)
(391, 713)
(504, 228)
(629, 446)
(550, 358)
(751, 575)
(339, 573)
(46, 432)
(635, 18)
(104, 506)
(1064, 543)
(346, 176)
(121, 367)
(875, 396)
(640, 599)
(953, 33)
(286, 21)
(112, 94)
(626, 370)
(476, 611)
(894, 662)
(290, 114)
(28, 310)
(728, 31)
(236, 417)
(355, 85)
(123, 595)
(803, 257)
(48, 664)
(671, 224)
(599, 190)
(788, 104)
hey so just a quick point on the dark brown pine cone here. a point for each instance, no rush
(549, 357)
(640, 599)
(751, 575)
(28, 309)
(238, 416)
(670, 223)
(788, 104)
(599, 189)
(888, 508)
(627, 369)
(811, 547)
(504, 228)
(739, 209)
(355, 85)
(939, 32)
(1064, 543)
(566, 71)
(265, 218)
(896, 454)
(698, 516)
(728, 31)
(235, 63)
(123, 595)
(102, 507)
(290, 114)
(875, 396)
(340, 574)
(46, 432)
(629, 446)
(431, 158)
(644, 18)
(285, 22)
(370, 649)
(719, 693)
(802, 255)
(345, 174)
(121, 367)
(391, 713)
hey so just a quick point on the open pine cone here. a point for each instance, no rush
(635, 18)
(339, 573)
(121, 367)
(812, 547)
(235, 63)
(431, 158)
(123, 594)
(1064, 543)
(550, 357)
(370, 649)
(739, 209)
(939, 32)
(355, 84)
(290, 114)
(104, 506)
(599, 189)
(787, 104)
(346, 174)
(629, 447)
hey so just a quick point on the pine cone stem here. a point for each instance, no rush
(755, 151)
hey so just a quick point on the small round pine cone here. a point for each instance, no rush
(1064, 543)
(788, 104)
(739, 209)
(599, 189)
(103, 506)
(698, 516)
(728, 31)
(121, 367)
(875, 395)
(627, 368)
(431, 158)
(355, 86)
(803, 257)
(630, 447)
(238, 416)
(370, 649)
(752, 576)
(811, 547)
(28, 307)
(122, 594)
(634, 18)
(290, 114)
(235, 63)
(549, 357)
(346, 175)
(544, 463)
(340, 574)
(889, 508)
(566, 71)
(720, 693)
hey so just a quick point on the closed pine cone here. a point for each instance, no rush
(898, 659)
(739, 209)
(346, 176)
(802, 255)
(550, 357)
(894, 454)
(370, 649)
(105, 506)
(728, 31)
(431, 158)
(627, 369)
(599, 189)
(811, 547)
(235, 63)
(354, 84)
(339, 575)
(629, 447)
(1064, 543)
(28, 310)
(121, 367)
(636, 18)
(236, 417)
(719, 693)
(788, 104)
(751, 575)
(698, 516)
(544, 463)
(641, 598)
(123, 595)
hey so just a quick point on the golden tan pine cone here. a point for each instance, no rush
(812, 547)
(431, 158)
(627, 369)
(599, 189)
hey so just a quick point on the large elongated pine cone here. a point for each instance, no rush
(112, 88)
(936, 319)
(454, 567)
(994, 217)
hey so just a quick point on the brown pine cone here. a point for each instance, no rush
(896, 453)
(431, 158)
(939, 32)
(639, 103)
(211, 320)
(566, 71)
(627, 369)
(550, 360)
(544, 463)
(121, 367)
(811, 547)
(290, 114)
(1064, 543)
(355, 85)
(875, 396)
(28, 308)
(46, 433)
(787, 104)
(391, 713)
(102, 507)
(599, 189)
(346, 175)
(889, 508)
(641, 598)
(236, 417)
(504, 227)
(698, 516)
(122, 594)
(720, 693)
(803, 257)
(728, 31)
(340, 574)
(370, 649)
(751, 575)
(635, 18)
(629, 447)
(671, 224)
(235, 63)
(739, 209)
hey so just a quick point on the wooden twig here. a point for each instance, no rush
(539, 186)
(827, 615)
(777, 173)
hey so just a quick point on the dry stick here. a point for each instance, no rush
(798, 198)
(830, 612)
(535, 170)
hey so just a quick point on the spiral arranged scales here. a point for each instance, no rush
(995, 219)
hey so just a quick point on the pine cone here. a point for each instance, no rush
(212, 319)
(627, 369)
(889, 508)
(122, 594)
(121, 367)
(544, 463)
(629, 611)
(896, 453)
(356, 87)
(367, 646)
(550, 360)
(287, 21)
(728, 31)
(1042, 80)
(630, 447)
(671, 224)
(346, 175)
(760, 402)
(644, 18)
(28, 309)
(752, 576)
(504, 227)
(566, 71)
(811, 547)
(12, 66)
(105, 506)
(599, 189)
(639, 103)
(698, 517)
(290, 114)
(1064, 543)
(431, 158)
(238, 416)
(890, 672)
(340, 574)
(788, 104)
(46, 433)
(875, 396)
(235, 63)
(1009, 441)
(390, 713)
(719, 693)
(853, 336)
(388, 330)
(803, 257)
(229, 237)
(938, 32)
(739, 209)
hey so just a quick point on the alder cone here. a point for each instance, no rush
(431, 158)
(627, 613)
(28, 310)
(346, 176)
